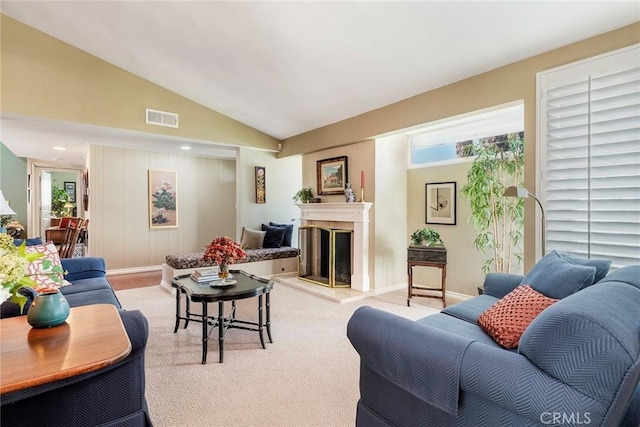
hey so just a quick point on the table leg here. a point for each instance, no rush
(260, 321)
(221, 329)
(268, 297)
(409, 284)
(188, 304)
(175, 329)
(205, 326)
(444, 281)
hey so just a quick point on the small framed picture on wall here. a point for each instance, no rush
(440, 206)
(261, 184)
(70, 189)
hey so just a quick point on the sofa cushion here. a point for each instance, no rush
(558, 277)
(97, 296)
(274, 236)
(602, 265)
(47, 270)
(459, 327)
(252, 239)
(288, 233)
(471, 309)
(85, 285)
(506, 320)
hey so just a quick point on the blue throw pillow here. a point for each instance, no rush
(288, 233)
(557, 277)
(602, 265)
(274, 236)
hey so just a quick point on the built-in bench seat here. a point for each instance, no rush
(264, 262)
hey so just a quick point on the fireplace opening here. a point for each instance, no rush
(325, 256)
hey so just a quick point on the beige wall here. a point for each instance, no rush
(464, 262)
(119, 205)
(509, 83)
(45, 77)
(283, 177)
(390, 212)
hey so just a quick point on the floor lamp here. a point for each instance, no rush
(523, 193)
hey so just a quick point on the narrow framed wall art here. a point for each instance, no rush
(163, 199)
(261, 184)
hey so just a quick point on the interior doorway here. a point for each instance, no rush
(41, 181)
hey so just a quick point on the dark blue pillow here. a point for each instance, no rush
(602, 265)
(30, 242)
(288, 233)
(557, 277)
(274, 236)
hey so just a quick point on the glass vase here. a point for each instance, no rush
(48, 309)
(223, 271)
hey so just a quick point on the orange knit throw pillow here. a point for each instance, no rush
(506, 320)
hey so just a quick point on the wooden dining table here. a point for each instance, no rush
(92, 337)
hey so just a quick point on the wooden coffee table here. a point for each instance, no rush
(246, 286)
(92, 337)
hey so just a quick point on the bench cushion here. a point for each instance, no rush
(194, 260)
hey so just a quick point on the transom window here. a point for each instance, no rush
(446, 140)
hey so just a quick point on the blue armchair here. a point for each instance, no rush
(578, 362)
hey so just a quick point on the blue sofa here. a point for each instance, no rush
(577, 363)
(112, 396)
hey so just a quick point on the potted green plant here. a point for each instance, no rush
(59, 198)
(497, 219)
(304, 195)
(426, 237)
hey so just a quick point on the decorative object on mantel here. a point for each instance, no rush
(332, 175)
(361, 186)
(304, 195)
(426, 237)
(49, 308)
(349, 194)
(224, 252)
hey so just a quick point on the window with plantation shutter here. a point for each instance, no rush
(589, 157)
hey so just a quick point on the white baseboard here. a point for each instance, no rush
(133, 270)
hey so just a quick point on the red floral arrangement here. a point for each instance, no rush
(224, 250)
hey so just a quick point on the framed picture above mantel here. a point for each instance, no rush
(332, 175)
(440, 203)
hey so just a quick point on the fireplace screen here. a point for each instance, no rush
(325, 256)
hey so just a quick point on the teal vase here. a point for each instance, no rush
(48, 309)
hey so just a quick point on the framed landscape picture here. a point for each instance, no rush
(163, 199)
(440, 203)
(332, 175)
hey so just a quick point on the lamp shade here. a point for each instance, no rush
(5, 209)
(516, 192)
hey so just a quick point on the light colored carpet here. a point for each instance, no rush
(307, 377)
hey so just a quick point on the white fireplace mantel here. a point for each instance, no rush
(358, 215)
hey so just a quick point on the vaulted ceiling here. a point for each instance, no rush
(289, 67)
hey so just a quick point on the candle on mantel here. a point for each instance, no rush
(361, 179)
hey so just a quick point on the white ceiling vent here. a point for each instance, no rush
(162, 118)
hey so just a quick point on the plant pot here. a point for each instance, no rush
(48, 309)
